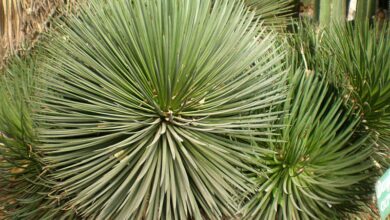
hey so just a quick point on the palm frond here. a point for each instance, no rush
(150, 108)
(321, 169)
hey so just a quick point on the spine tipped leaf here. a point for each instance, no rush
(151, 107)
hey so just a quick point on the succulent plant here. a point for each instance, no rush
(321, 169)
(361, 56)
(195, 109)
(24, 190)
(152, 107)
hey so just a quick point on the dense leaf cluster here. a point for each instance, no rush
(194, 109)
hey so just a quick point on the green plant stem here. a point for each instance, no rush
(324, 12)
(339, 10)
(330, 10)
(365, 10)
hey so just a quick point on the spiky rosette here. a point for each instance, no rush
(19, 166)
(320, 170)
(362, 59)
(151, 107)
(23, 188)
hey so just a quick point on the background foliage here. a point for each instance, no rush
(23, 21)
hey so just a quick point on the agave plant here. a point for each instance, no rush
(179, 109)
(321, 169)
(24, 187)
(354, 58)
(151, 108)
(337, 54)
(362, 60)
(17, 162)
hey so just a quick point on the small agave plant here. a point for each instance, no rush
(320, 169)
(25, 190)
(337, 120)
(362, 61)
(18, 162)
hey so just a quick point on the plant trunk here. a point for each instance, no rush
(365, 10)
(324, 12)
(328, 11)
(339, 10)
